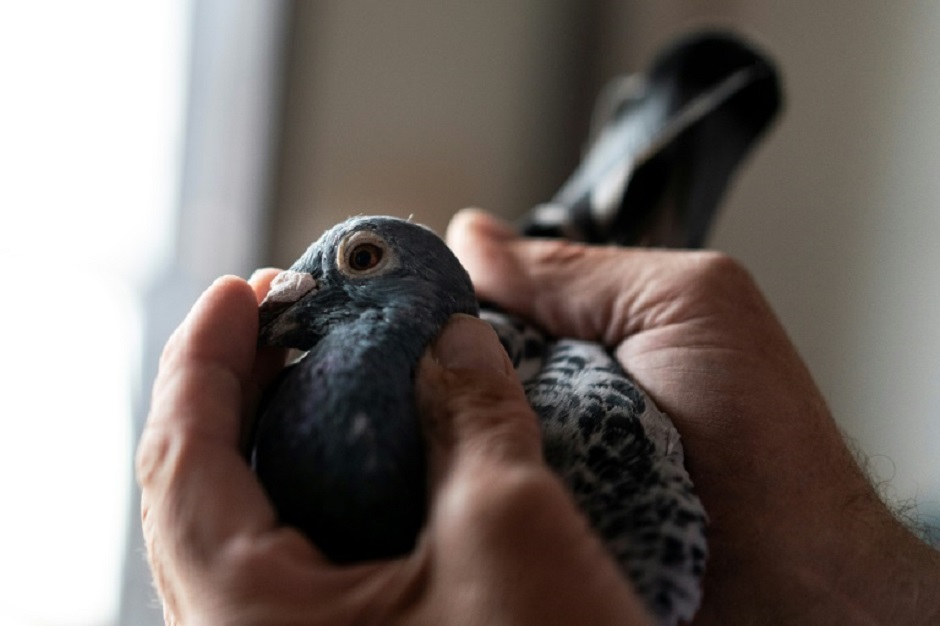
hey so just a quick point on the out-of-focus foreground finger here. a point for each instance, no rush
(197, 490)
(268, 363)
(470, 401)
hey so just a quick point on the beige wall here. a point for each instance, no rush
(426, 107)
(422, 108)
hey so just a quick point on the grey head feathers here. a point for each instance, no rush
(338, 446)
(362, 264)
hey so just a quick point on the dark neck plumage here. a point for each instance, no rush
(348, 461)
(396, 337)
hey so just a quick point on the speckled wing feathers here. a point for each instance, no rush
(622, 460)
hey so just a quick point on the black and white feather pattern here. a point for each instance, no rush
(622, 460)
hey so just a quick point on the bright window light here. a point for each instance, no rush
(90, 124)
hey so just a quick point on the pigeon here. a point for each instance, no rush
(338, 445)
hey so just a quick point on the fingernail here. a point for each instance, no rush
(496, 227)
(485, 223)
(470, 343)
(261, 272)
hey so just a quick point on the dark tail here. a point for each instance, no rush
(666, 146)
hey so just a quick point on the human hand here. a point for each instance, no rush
(797, 533)
(503, 541)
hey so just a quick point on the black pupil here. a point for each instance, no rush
(365, 257)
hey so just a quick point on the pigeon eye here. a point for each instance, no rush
(363, 254)
(364, 257)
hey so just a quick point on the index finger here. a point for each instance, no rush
(197, 489)
(268, 362)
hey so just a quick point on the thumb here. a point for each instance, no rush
(473, 407)
(568, 289)
(598, 293)
(501, 523)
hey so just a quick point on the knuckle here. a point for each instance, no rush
(243, 566)
(557, 251)
(543, 261)
(171, 350)
(713, 266)
(490, 417)
(153, 453)
(714, 276)
(522, 489)
(494, 503)
(165, 456)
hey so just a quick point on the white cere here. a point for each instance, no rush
(290, 286)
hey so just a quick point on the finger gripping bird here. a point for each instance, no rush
(338, 445)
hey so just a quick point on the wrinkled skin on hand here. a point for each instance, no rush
(797, 532)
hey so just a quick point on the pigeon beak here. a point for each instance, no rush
(287, 289)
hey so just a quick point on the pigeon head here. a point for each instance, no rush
(373, 270)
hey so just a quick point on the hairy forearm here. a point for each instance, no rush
(869, 569)
(890, 575)
(849, 560)
(895, 577)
